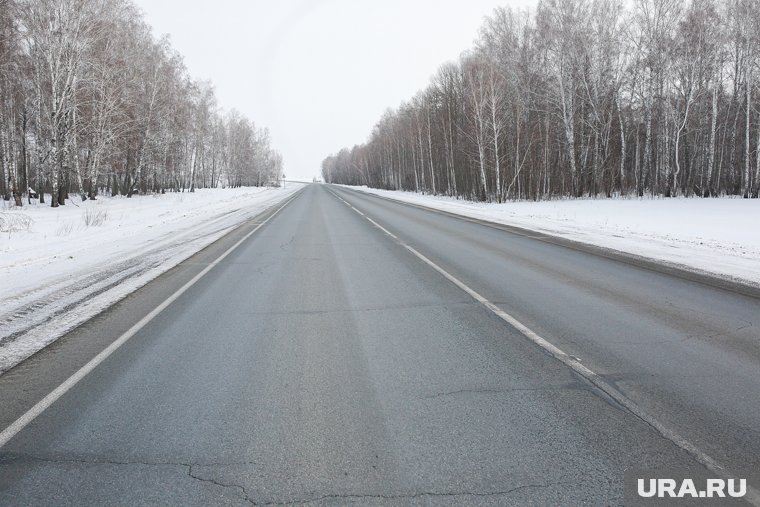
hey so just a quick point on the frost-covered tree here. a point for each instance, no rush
(582, 97)
(91, 102)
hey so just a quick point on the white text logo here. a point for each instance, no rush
(714, 488)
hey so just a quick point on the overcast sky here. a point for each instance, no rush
(317, 73)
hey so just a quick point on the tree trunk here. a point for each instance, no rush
(54, 173)
(647, 151)
(748, 85)
(75, 148)
(621, 171)
(708, 189)
(430, 149)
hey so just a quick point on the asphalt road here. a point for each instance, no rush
(323, 361)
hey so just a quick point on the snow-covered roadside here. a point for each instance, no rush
(59, 267)
(715, 236)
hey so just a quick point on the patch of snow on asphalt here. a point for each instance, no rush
(718, 236)
(62, 266)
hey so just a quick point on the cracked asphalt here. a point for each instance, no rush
(322, 363)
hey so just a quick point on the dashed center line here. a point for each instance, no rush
(752, 496)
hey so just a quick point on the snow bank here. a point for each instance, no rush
(717, 236)
(61, 266)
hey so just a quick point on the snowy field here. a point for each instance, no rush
(715, 236)
(59, 267)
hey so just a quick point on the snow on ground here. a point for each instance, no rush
(716, 236)
(59, 267)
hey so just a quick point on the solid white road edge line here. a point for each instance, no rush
(31, 414)
(752, 496)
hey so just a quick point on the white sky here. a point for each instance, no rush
(320, 73)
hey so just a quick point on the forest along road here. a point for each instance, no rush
(325, 360)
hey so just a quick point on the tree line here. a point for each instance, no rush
(581, 98)
(91, 102)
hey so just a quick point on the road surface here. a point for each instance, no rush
(324, 360)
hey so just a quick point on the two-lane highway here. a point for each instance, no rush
(687, 353)
(323, 361)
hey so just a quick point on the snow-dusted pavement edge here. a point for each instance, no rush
(60, 272)
(714, 237)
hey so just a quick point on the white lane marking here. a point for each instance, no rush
(31, 414)
(752, 496)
